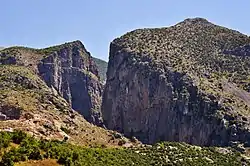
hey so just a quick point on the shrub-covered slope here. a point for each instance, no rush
(19, 147)
(28, 104)
(188, 82)
(102, 67)
(67, 68)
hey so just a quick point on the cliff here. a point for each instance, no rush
(29, 105)
(51, 132)
(68, 69)
(188, 82)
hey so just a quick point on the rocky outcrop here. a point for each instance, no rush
(9, 113)
(239, 51)
(172, 84)
(72, 72)
(68, 69)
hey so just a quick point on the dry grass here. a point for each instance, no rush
(48, 162)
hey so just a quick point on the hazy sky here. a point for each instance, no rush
(41, 23)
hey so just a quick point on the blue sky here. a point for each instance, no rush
(41, 23)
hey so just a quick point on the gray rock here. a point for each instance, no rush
(68, 69)
(72, 72)
(2, 117)
(163, 100)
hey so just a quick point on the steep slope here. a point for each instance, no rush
(189, 82)
(28, 104)
(102, 67)
(67, 68)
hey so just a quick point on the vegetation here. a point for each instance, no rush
(102, 67)
(28, 104)
(17, 146)
(23, 90)
(209, 55)
(32, 54)
(202, 58)
(45, 51)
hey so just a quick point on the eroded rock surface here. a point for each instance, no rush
(72, 72)
(172, 84)
(28, 104)
(67, 69)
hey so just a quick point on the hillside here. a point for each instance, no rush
(18, 147)
(57, 134)
(188, 82)
(28, 104)
(102, 67)
(67, 68)
(40, 90)
(183, 91)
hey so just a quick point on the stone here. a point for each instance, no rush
(169, 84)
(2, 117)
(72, 72)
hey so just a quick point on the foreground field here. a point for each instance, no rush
(20, 149)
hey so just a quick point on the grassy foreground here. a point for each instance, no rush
(17, 146)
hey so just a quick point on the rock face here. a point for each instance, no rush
(182, 83)
(28, 104)
(32, 86)
(69, 70)
(72, 72)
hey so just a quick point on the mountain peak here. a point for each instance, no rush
(196, 20)
(75, 42)
(186, 59)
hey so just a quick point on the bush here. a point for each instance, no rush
(18, 136)
(5, 139)
(164, 153)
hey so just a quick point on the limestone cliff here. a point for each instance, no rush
(68, 69)
(39, 88)
(189, 82)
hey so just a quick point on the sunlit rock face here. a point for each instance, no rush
(181, 83)
(69, 70)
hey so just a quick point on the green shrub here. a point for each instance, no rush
(5, 139)
(18, 136)
(164, 153)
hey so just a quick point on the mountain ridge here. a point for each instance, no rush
(181, 75)
(185, 83)
(28, 104)
(61, 67)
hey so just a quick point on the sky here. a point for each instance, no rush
(42, 23)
